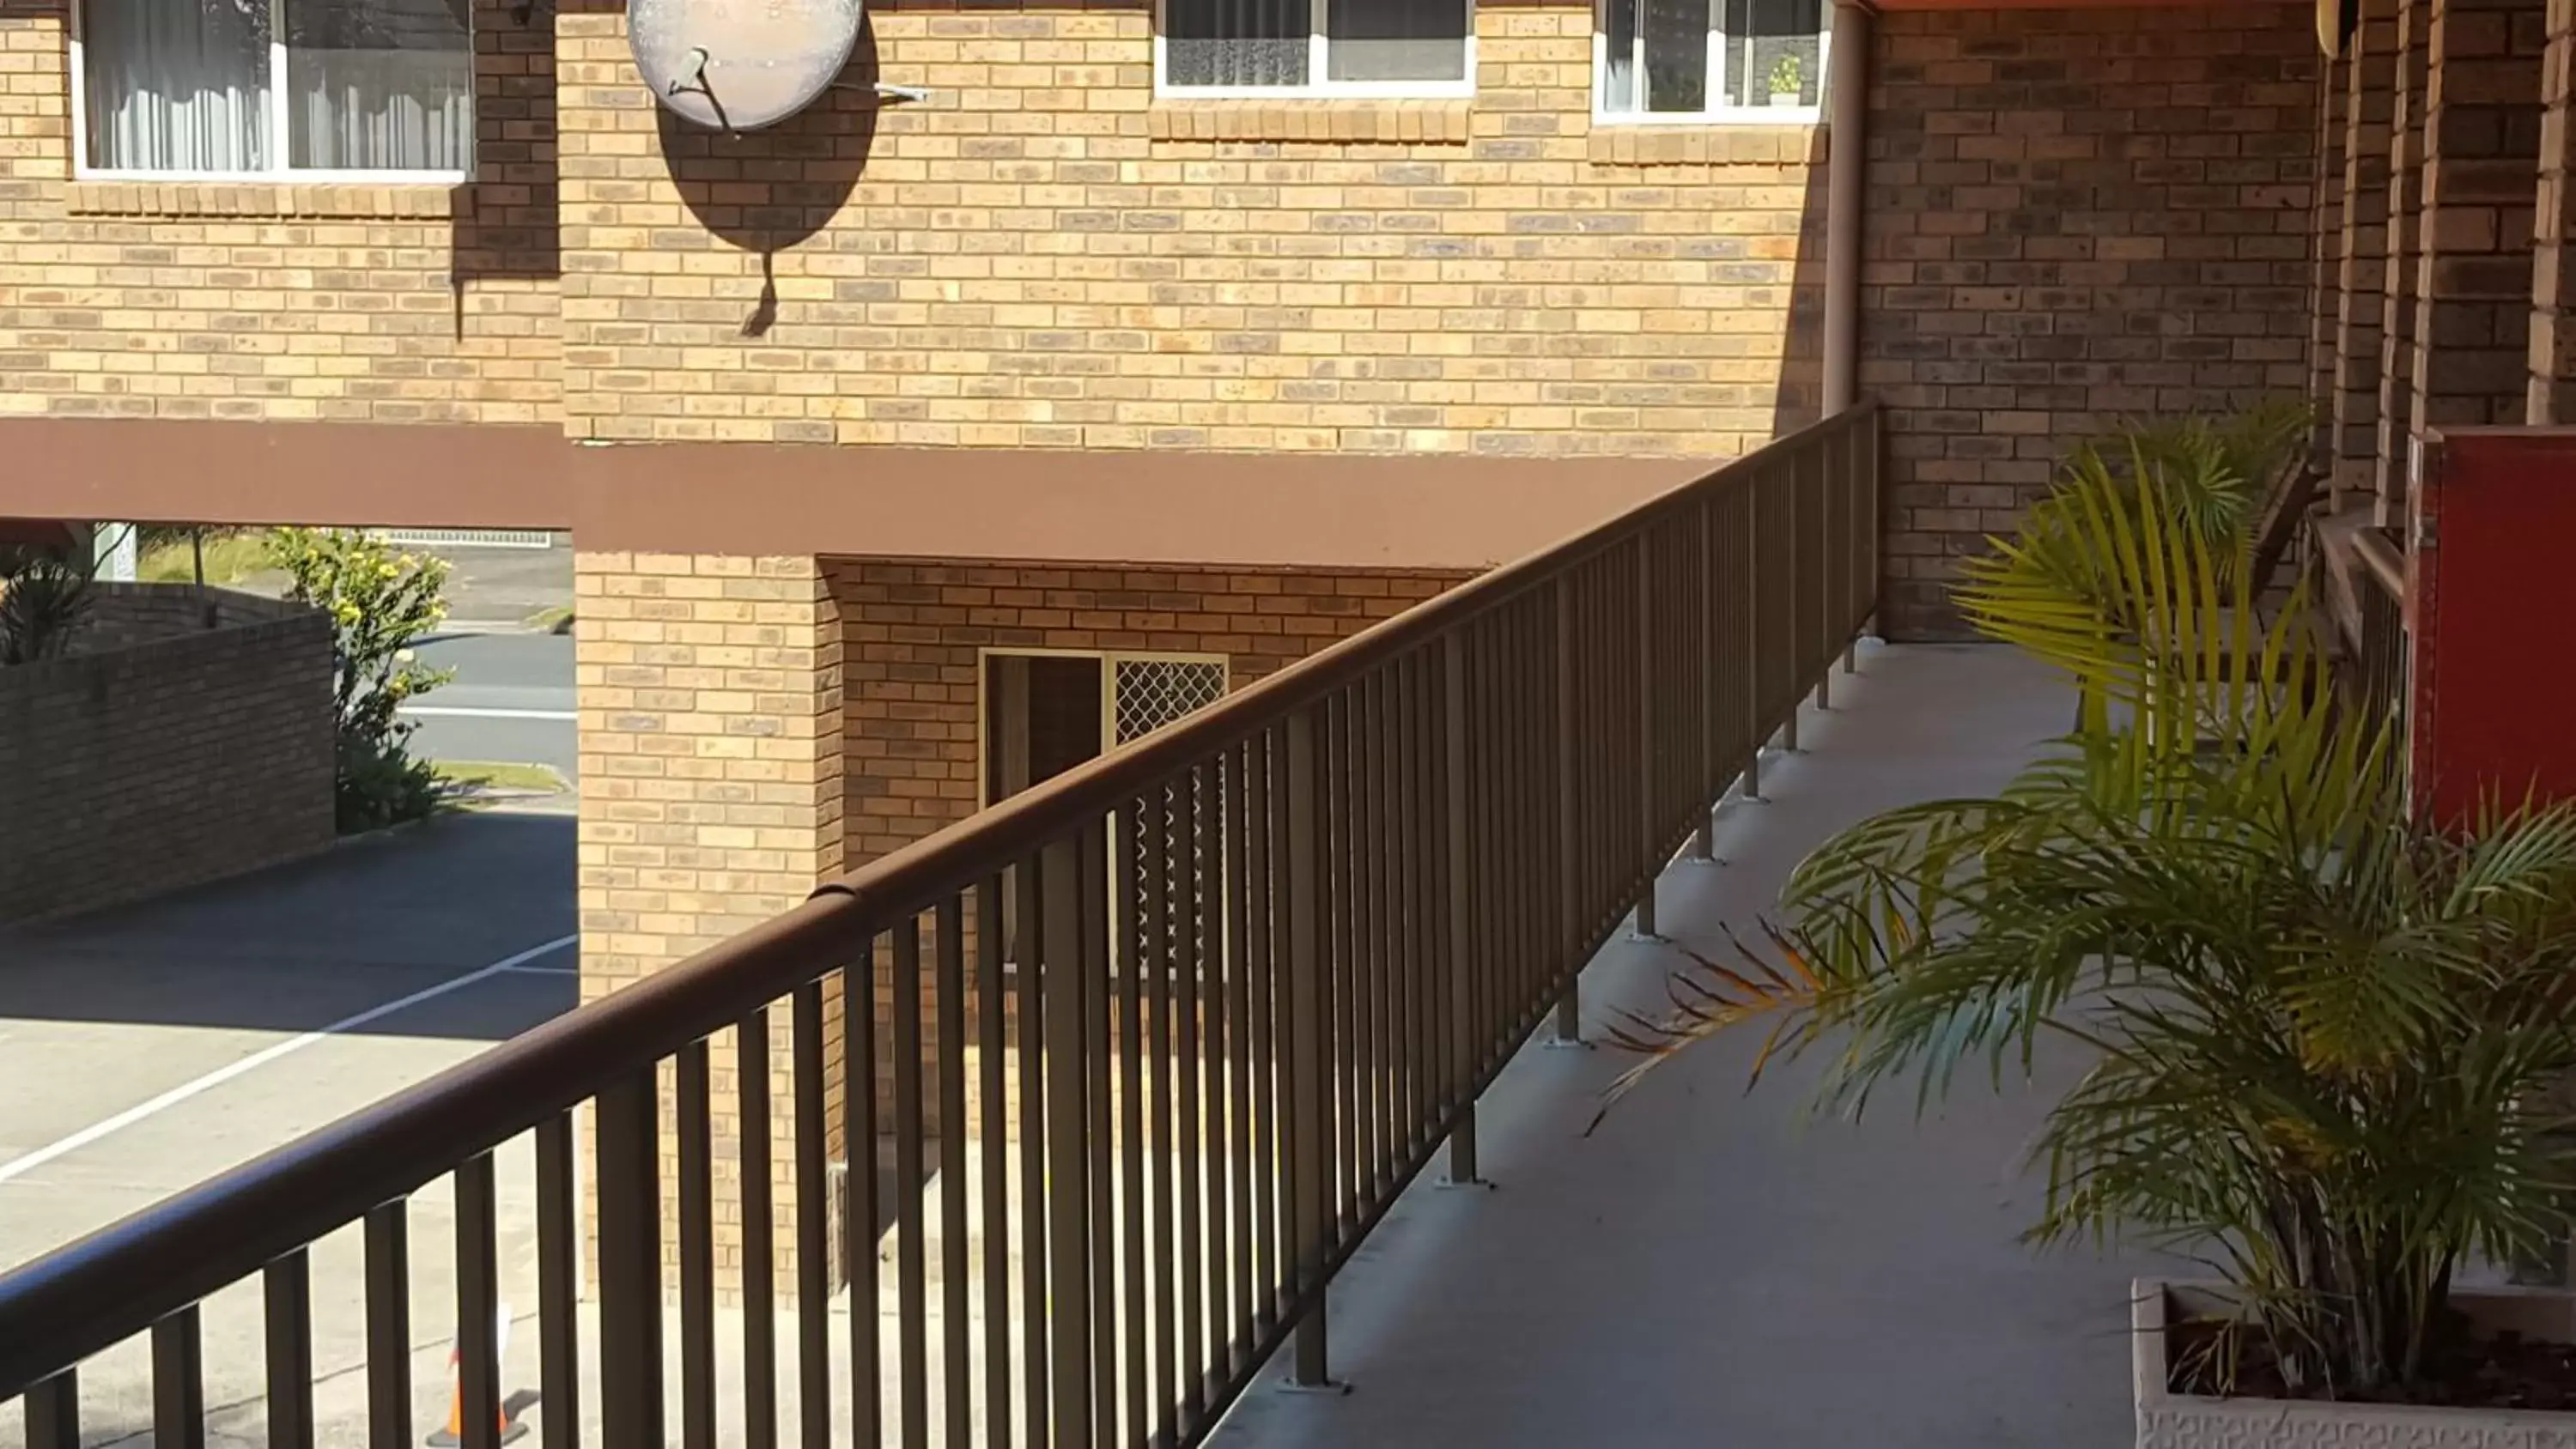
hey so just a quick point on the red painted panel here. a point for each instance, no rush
(2492, 578)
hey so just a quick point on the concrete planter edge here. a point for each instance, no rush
(2168, 1420)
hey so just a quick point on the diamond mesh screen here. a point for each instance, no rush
(1151, 693)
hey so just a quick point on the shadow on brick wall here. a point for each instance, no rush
(1799, 399)
(767, 190)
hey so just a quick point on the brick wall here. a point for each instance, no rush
(270, 301)
(2074, 216)
(1042, 254)
(2481, 148)
(129, 771)
(124, 615)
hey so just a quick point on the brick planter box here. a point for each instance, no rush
(186, 736)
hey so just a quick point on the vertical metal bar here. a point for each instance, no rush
(53, 1412)
(813, 1256)
(993, 1126)
(1265, 927)
(1308, 1128)
(630, 1261)
(1243, 932)
(1364, 788)
(1569, 930)
(692, 1088)
(559, 1283)
(863, 1217)
(1184, 972)
(1067, 1306)
(1031, 951)
(287, 1286)
(388, 1236)
(1343, 1167)
(759, 1238)
(949, 945)
(1146, 826)
(478, 1303)
(1749, 550)
(1651, 826)
(178, 1382)
(1091, 858)
(1458, 1050)
(912, 1350)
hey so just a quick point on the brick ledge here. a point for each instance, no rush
(265, 200)
(1346, 122)
(1707, 145)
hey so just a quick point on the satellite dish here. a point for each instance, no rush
(738, 65)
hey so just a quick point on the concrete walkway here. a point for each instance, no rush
(1712, 1269)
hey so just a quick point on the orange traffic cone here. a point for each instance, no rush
(453, 1436)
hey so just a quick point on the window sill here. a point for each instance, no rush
(269, 200)
(1707, 144)
(1339, 121)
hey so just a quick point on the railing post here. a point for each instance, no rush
(1756, 731)
(1309, 1092)
(630, 1260)
(1834, 457)
(1703, 841)
(1569, 1005)
(1651, 845)
(1460, 1064)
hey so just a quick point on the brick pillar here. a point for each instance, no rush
(710, 697)
(2552, 396)
(2481, 152)
(2370, 66)
(2405, 253)
(2326, 292)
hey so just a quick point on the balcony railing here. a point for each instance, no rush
(1168, 1034)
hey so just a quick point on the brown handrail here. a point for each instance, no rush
(1383, 865)
(2381, 560)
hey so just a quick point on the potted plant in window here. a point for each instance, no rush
(2324, 1035)
(1786, 76)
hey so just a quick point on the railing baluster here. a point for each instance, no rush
(559, 1279)
(53, 1412)
(478, 1303)
(1035, 951)
(1456, 1043)
(1308, 1093)
(912, 1351)
(1066, 1307)
(1243, 932)
(1341, 1060)
(1144, 948)
(178, 1382)
(388, 1249)
(949, 945)
(759, 1233)
(1091, 861)
(1184, 972)
(992, 1122)
(630, 1260)
(286, 1287)
(813, 1253)
(697, 1248)
(1261, 1048)
(863, 1218)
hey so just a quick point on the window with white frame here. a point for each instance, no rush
(275, 88)
(1317, 47)
(1730, 60)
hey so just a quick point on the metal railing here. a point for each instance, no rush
(2376, 647)
(1263, 963)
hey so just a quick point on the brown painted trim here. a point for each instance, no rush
(1442, 511)
(428, 475)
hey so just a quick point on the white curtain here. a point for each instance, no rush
(176, 85)
(379, 85)
(1236, 42)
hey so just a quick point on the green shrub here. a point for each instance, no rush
(381, 602)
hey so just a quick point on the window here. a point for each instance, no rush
(274, 88)
(1316, 47)
(1730, 60)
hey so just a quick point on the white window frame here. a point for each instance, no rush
(1602, 115)
(1318, 48)
(278, 118)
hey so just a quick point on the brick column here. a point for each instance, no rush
(2481, 150)
(2552, 395)
(2370, 65)
(710, 697)
(2326, 292)
(2405, 252)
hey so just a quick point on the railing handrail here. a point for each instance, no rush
(84, 1297)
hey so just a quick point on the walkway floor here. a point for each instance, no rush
(1713, 1269)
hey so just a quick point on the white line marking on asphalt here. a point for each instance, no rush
(545, 971)
(18, 1166)
(459, 711)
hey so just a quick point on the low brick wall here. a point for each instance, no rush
(186, 735)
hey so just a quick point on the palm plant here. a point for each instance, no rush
(2320, 1030)
(43, 602)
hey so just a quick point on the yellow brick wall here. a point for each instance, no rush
(1042, 254)
(266, 301)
